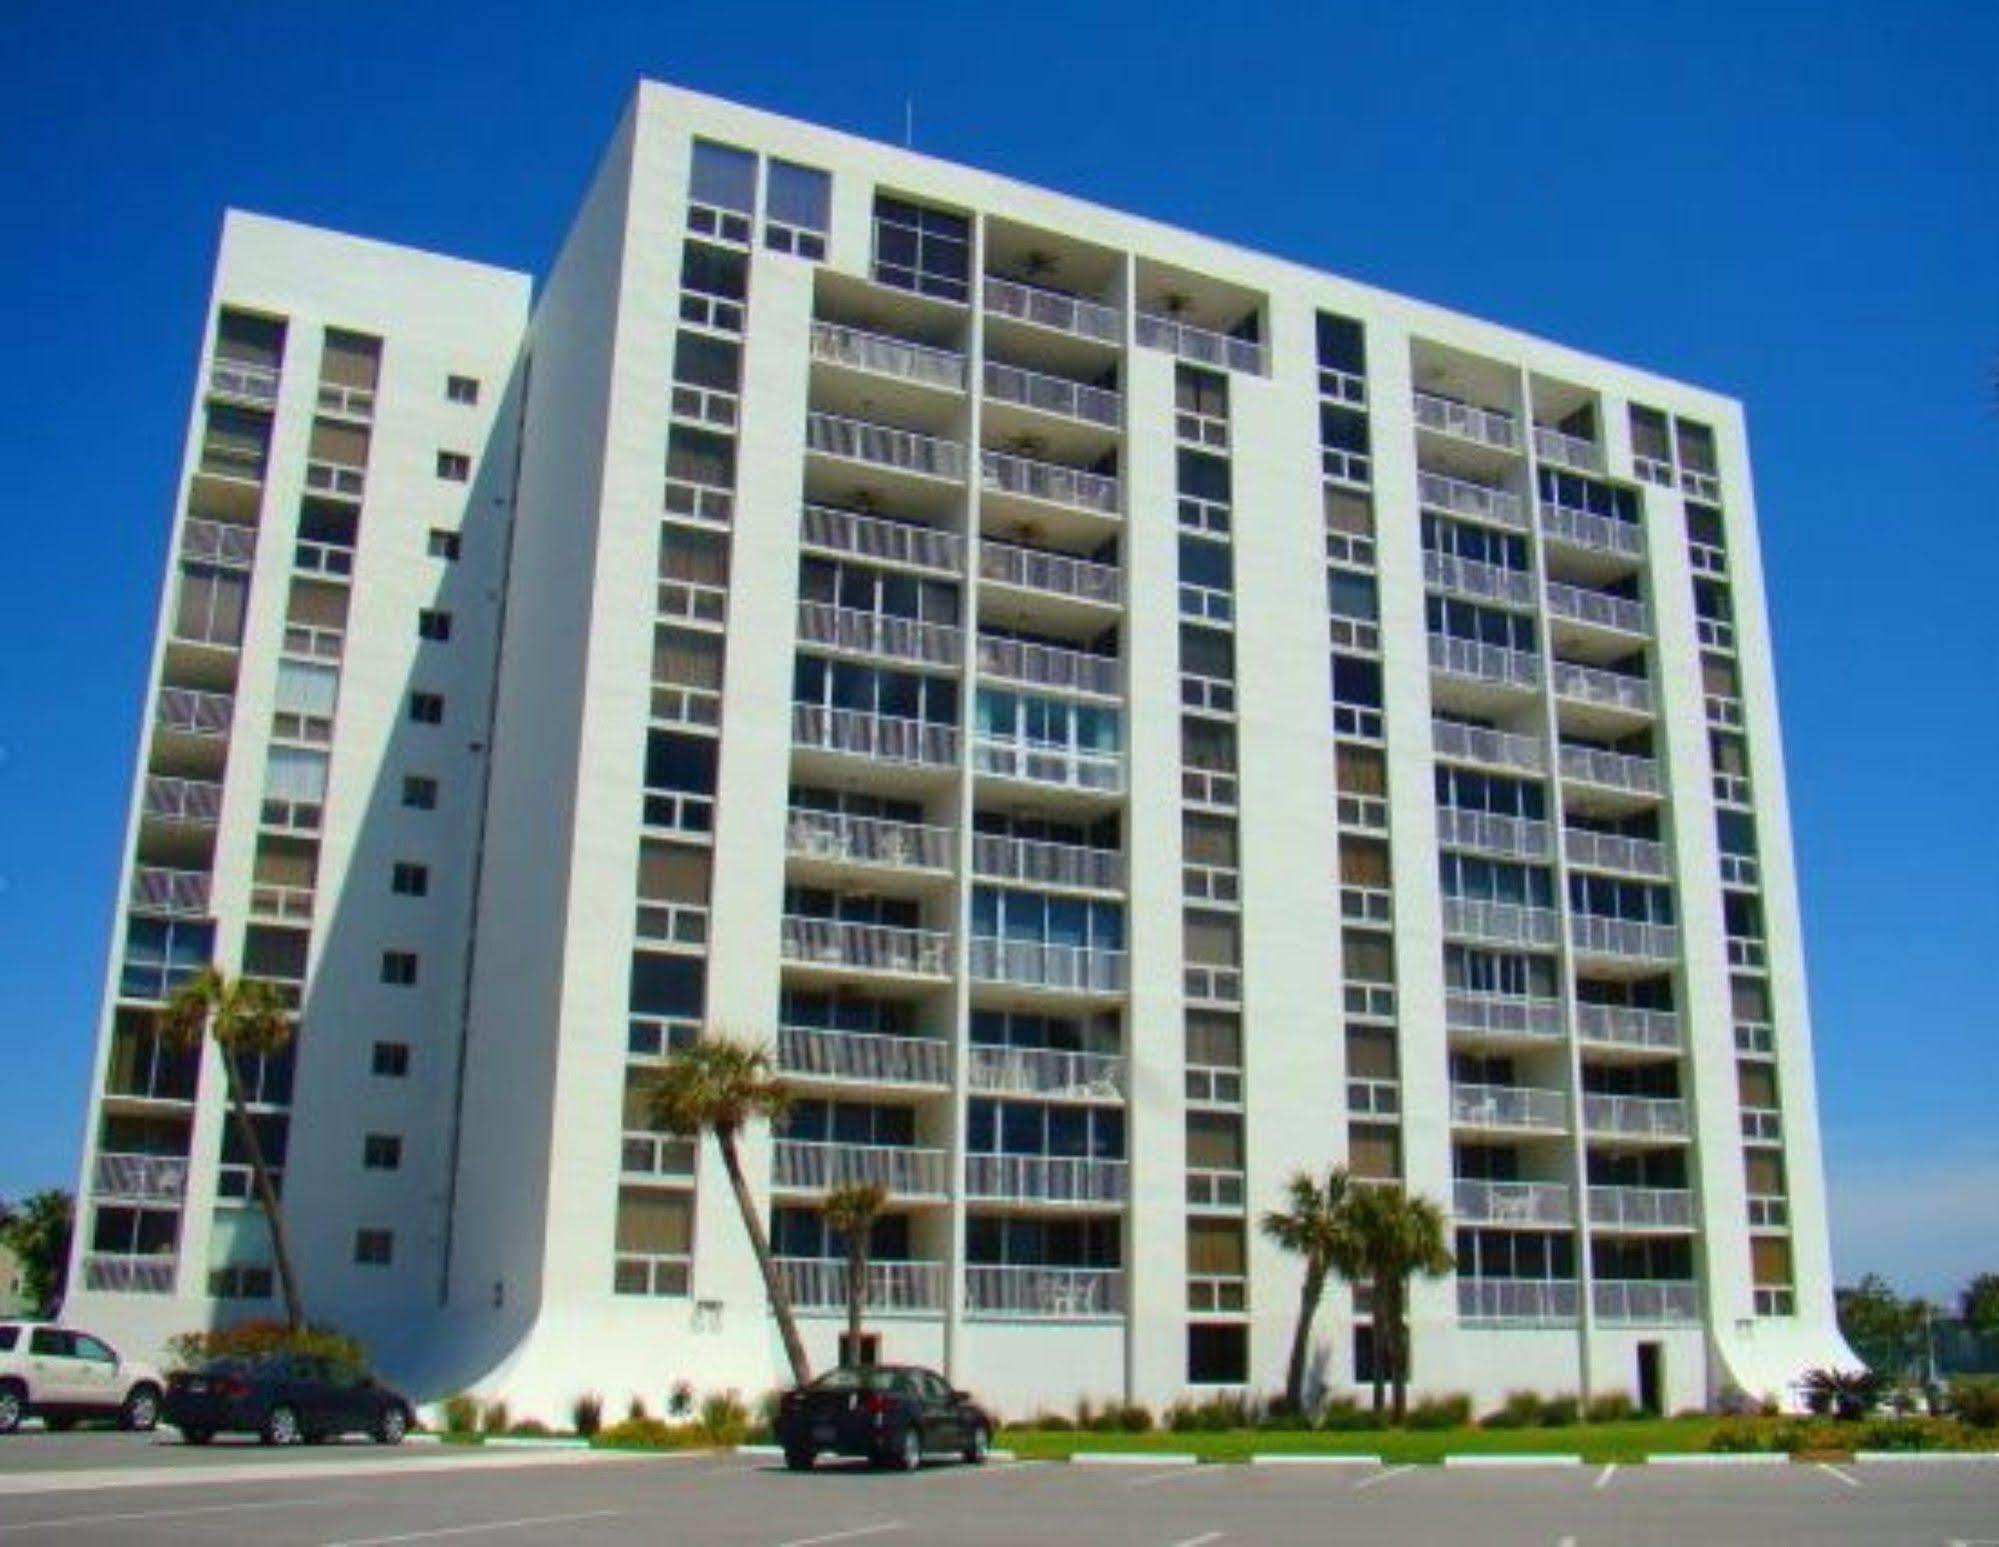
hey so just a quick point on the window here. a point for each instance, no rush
(303, 703)
(433, 624)
(427, 708)
(382, 1152)
(1217, 1354)
(419, 792)
(399, 968)
(454, 466)
(374, 1248)
(721, 191)
(409, 880)
(798, 204)
(443, 543)
(390, 1060)
(921, 249)
(462, 389)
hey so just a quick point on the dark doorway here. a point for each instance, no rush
(1652, 1378)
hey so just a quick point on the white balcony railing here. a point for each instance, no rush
(669, 1155)
(1586, 529)
(1472, 577)
(1594, 935)
(1204, 346)
(820, 1284)
(1039, 964)
(1463, 497)
(873, 947)
(1594, 685)
(1491, 833)
(1045, 1179)
(1053, 394)
(128, 1274)
(177, 893)
(1020, 1290)
(1048, 666)
(884, 445)
(1503, 1015)
(871, 537)
(1519, 1300)
(1512, 1203)
(1051, 309)
(155, 1178)
(1047, 1071)
(248, 380)
(186, 802)
(1612, 770)
(1565, 450)
(218, 542)
(1613, 851)
(887, 738)
(1509, 923)
(1070, 766)
(880, 633)
(1476, 744)
(1466, 421)
(1645, 1300)
(811, 1166)
(1642, 1117)
(1581, 605)
(864, 840)
(1486, 663)
(1642, 1208)
(191, 712)
(869, 1057)
(1046, 864)
(887, 356)
(1005, 473)
(1628, 1026)
(1508, 1106)
(1036, 569)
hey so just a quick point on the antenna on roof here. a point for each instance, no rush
(909, 123)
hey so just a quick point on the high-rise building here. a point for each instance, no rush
(1122, 717)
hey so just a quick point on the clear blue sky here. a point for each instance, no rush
(1795, 203)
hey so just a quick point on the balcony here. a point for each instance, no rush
(1645, 1300)
(1053, 310)
(1464, 497)
(1052, 483)
(1040, 863)
(1610, 770)
(820, 1284)
(1044, 1179)
(1047, 1072)
(120, 1273)
(1053, 1292)
(1592, 935)
(821, 942)
(148, 1178)
(182, 802)
(880, 634)
(1054, 574)
(172, 893)
(1488, 832)
(1511, 1203)
(880, 354)
(883, 737)
(1613, 851)
(884, 445)
(1593, 533)
(800, 1165)
(1509, 1106)
(839, 838)
(1503, 1015)
(1049, 666)
(1505, 923)
(1465, 421)
(190, 712)
(1039, 964)
(863, 1058)
(246, 381)
(339, 478)
(1068, 767)
(870, 537)
(1056, 395)
(1606, 689)
(240, 460)
(218, 542)
(657, 1156)
(1598, 609)
(1634, 1117)
(1641, 1208)
(1564, 450)
(1617, 1025)
(1471, 577)
(1491, 664)
(1517, 1301)
(1203, 346)
(1498, 749)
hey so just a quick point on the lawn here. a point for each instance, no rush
(1631, 1441)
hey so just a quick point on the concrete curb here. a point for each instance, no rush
(1529, 1458)
(1872, 1456)
(1719, 1458)
(759, 1450)
(1308, 1458)
(534, 1442)
(1134, 1458)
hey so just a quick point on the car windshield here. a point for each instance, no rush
(854, 1380)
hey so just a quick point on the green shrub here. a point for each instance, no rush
(262, 1336)
(648, 1434)
(530, 1429)
(494, 1419)
(1612, 1407)
(1086, 1413)
(1280, 1417)
(1445, 1412)
(1900, 1434)
(586, 1414)
(1846, 1394)
(1558, 1412)
(1974, 1400)
(723, 1419)
(1344, 1415)
(1052, 1423)
(1134, 1418)
(635, 1411)
(1737, 1436)
(461, 1414)
(1520, 1410)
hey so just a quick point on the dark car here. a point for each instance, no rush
(285, 1399)
(893, 1414)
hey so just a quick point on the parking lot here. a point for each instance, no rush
(130, 1489)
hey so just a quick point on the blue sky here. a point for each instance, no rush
(1794, 203)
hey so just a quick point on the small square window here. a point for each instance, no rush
(433, 624)
(374, 1248)
(382, 1152)
(454, 465)
(407, 879)
(391, 1060)
(462, 389)
(427, 708)
(399, 968)
(443, 543)
(419, 792)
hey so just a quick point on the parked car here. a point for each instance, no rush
(284, 1399)
(61, 1375)
(893, 1414)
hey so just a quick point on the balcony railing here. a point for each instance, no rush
(1051, 309)
(1048, 666)
(1628, 1026)
(1472, 577)
(248, 380)
(239, 459)
(1565, 450)
(875, 947)
(1053, 394)
(189, 802)
(1512, 1203)
(1034, 569)
(1598, 607)
(1018, 1290)
(1070, 766)
(218, 542)
(1466, 421)
(885, 737)
(1509, 923)
(1047, 1071)
(1613, 851)
(1645, 1300)
(1642, 1208)
(888, 356)
(1594, 685)
(191, 712)
(1508, 1106)
(669, 1155)
(1519, 1300)
(1586, 529)
(868, 1057)
(1057, 484)
(835, 835)
(820, 1284)
(1612, 770)
(1595, 935)
(1476, 744)
(1203, 346)
(1642, 1117)
(1486, 663)
(1505, 1015)
(1702, 486)
(1046, 864)
(155, 1178)
(880, 633)
(1490, 833)
(812, 1166)
(884, 445)
(1039, 964)
(1463, 497)
(176, 893)
(126, 1274)
(871, 537)
(1045, 1179)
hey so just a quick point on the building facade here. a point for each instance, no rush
(1122, 717)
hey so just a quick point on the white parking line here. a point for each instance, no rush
(1384, 1477)
(1603, 1478)
(65, 1522)
(520, 1524)
(876, 1529)
(1198, 1541)
(1832, 1471)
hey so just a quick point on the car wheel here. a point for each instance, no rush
(391, 1426)
(976, 1445)
(799, 1460)
(13, 1406)
(909, 1455)
(197, 1436)
(141, 1411)
(281, 1427)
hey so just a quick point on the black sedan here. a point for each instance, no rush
(893, 1414)
(284, 1399)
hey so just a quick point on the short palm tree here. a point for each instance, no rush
(852, 1209)
(717, 1084)
(243, 1017)
(1313, 1225)
(1397, 1235)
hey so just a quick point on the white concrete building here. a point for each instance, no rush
(1123, 717)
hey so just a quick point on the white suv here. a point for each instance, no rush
(61, 1375)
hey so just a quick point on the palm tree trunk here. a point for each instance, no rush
(1301, 1339)
(1378, 1304)
(780, 1302)
(1399, 1343)
(267, 1196)
(857, 1292)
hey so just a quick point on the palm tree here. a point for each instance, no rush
(241, 1016)
(1314, 1226)
(1397, 1235)
(852, 1209)
(719, 1085)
